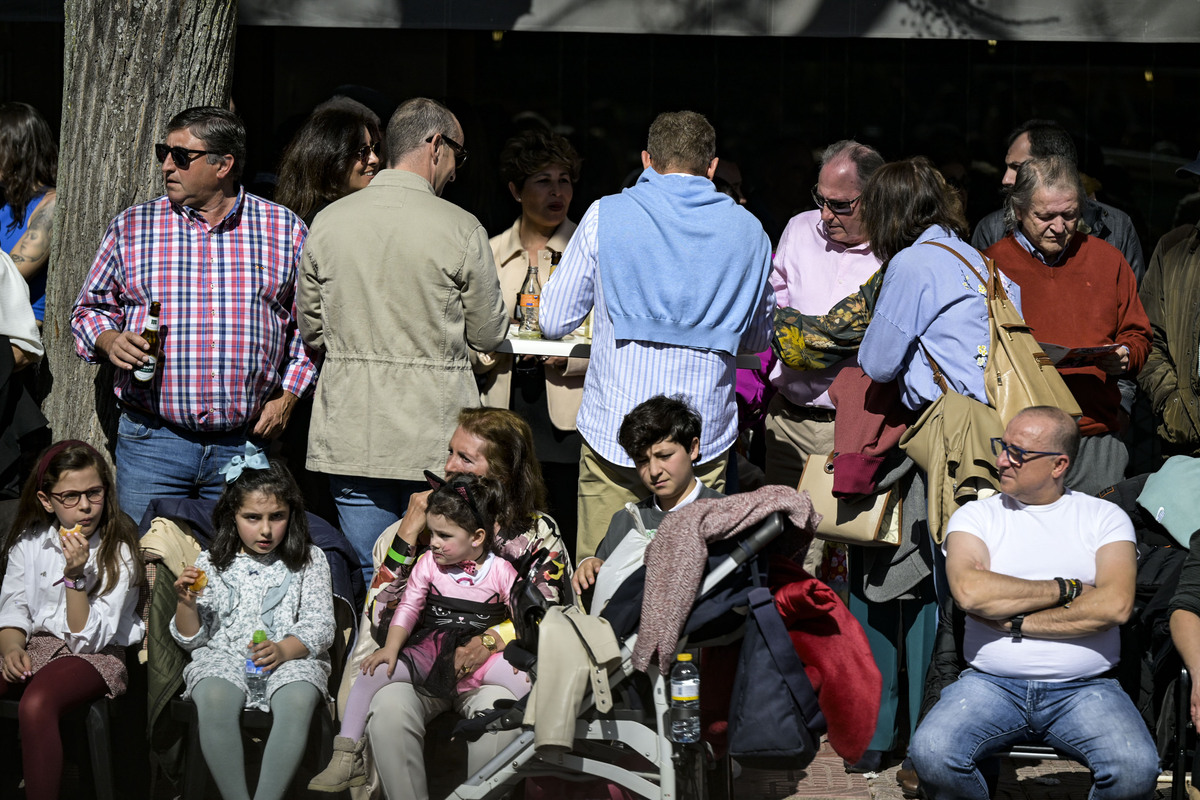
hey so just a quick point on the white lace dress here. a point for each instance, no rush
(260, 592)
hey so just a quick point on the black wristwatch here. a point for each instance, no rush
(1016, 622)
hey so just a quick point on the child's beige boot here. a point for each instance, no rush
(347, 767)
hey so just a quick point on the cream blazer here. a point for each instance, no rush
(564, 389)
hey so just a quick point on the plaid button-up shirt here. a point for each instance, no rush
(228, 317)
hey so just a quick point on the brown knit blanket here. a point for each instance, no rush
(676, 556)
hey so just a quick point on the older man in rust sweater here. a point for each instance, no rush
(1078, 291)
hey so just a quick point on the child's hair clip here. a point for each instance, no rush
(252, 458)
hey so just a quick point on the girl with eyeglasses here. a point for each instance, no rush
(337, 151)
(72, 567)
(459, 588)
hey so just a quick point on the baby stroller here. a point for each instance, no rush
(627, 744)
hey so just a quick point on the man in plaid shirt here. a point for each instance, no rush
(222, 263)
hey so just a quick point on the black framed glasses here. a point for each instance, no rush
(363, 154)
(841, 207)
(182, 157)
(1019, 455)
(71, 499)
(460, 152)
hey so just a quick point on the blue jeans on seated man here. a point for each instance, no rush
(366, 506)
(154, 460)
(979, 715)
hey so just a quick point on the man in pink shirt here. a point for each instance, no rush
(823, 257)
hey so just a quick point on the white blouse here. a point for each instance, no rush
(30, 600)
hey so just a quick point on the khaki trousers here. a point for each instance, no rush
(605, 488)
(396, 731)
(792, 436)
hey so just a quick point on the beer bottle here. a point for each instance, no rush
(145, 372)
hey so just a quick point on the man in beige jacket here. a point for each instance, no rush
(395, 285)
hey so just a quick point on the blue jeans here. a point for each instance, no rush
(366, 506)
(154, 460)
(979, 715)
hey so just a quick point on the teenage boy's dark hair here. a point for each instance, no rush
(657, 419)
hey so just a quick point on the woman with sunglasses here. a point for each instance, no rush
(28, 170)
(540, 168)
(336, 152)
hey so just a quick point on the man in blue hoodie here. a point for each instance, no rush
(677, 273)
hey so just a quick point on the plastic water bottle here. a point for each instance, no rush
(256, 676)
(685, 700)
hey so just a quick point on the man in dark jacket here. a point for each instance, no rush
(1171, 377)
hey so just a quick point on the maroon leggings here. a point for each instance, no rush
(63, 684)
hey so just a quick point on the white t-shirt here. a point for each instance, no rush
(1041, 543)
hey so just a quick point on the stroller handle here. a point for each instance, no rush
(748, 547)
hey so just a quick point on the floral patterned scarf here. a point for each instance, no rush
(817, 341)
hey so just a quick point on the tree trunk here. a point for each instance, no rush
(129, 66)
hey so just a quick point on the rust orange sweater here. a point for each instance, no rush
(1090, 298)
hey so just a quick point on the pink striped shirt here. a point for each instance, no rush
(228, 316)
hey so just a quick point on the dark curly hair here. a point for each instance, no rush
(275, 482)
(657, 419)
(28, 157)
(533, 150)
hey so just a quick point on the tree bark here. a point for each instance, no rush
(129, 66)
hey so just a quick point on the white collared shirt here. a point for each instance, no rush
(692, 495)
(31, 600)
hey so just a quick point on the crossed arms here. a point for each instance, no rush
(993, 598)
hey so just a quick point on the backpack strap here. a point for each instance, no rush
(775, 634)
(994, 287)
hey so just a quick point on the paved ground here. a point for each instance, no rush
(826, 778)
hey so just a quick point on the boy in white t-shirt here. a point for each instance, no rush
(662, 436)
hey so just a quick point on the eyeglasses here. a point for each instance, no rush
(1019, 455)
(363, 153)
(460, 152)
(71, 499)
(836, 206)
(182, 157)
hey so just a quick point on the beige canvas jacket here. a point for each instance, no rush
(396, 284)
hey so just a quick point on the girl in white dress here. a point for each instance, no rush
(262, 573)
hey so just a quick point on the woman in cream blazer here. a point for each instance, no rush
(540, 168)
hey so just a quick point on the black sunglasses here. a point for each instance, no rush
(182, 157)
(1019, 455)
(460, 152)
(363, 154)
(836, 206)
